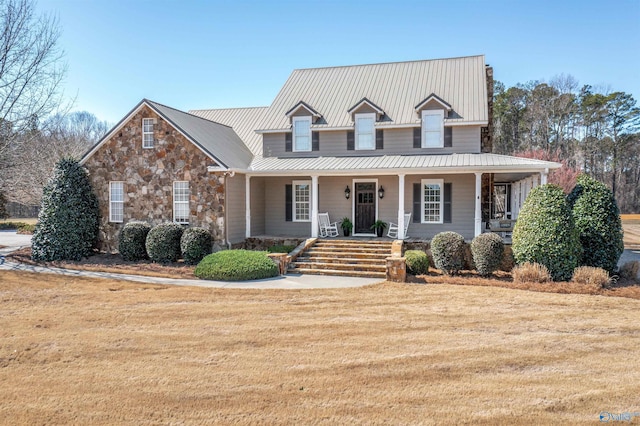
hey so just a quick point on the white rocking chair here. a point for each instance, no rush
(393, 227)
(327, 229)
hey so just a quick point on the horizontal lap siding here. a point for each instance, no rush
(463, 207)
(466, 139)
(257, 206)
(236, 208)
(275, 223)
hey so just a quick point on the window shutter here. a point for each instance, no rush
(417, 137)
(288, 203)
(351, 140)
(447, 203)
(448, 137)
(288, 145)
(417, 217)
(315, 141)
(379, 139)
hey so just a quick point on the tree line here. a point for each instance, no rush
(589, 130)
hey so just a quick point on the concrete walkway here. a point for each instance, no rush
(13, 242)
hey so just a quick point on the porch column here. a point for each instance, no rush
(314, 206)
(401, 207)
(543, 177)
(478, 216)
(247, 206)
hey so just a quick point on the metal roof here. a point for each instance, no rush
(393, 164)
(394, 87)
(218, 140)
(244, 121)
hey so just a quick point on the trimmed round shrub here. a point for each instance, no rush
(447, 249)
(417, 262)
(163, 242)
(597, 219)
(236, 265)
(67, 227)
(488, 252)
(132, 241)
(545, 233)
(195, 244)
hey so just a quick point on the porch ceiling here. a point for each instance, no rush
(394, 164)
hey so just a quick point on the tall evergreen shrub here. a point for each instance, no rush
(68, 222)
(597, 219)
(545, 233)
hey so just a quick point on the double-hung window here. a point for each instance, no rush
(181, 202)
(432, 128)
(301, 201)
(301, 134)
(432, 200)
(116, 202)
(147, 132)
(365, 132)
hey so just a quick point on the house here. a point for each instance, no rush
(366, 142)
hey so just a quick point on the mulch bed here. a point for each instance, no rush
(111, 263)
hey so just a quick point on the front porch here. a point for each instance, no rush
(466, 203)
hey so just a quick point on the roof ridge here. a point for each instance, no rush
(186, 113)
(220, 109)
(388, 63)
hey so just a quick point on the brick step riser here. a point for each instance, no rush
(339, 266)
(338, 273)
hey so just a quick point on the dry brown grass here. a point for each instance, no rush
(30, 221)
(594, 277)
(79, 351)
(531, 273)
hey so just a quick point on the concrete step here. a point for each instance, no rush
(340, 266)
(342, 259)
(336, 272)
(354, 243)
(351, 249)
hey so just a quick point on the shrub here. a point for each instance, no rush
(545, 233)
(447, 249)
(597, 220)
(163, 242)
(236, 265)
(591, 276)
(629, 271)
(67, 227)
(195, 244)
(508, 262)
(132, 241)
(11, 225)
(281, 248)
(417, 262)
(531, 273)
(487, 250)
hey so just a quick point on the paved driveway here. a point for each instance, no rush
(13, 241)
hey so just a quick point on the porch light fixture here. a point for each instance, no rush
(347, 192)
(381, 193)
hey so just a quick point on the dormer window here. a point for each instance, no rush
(147, 132)
(302, 134)
(365, 132)
(432, 128)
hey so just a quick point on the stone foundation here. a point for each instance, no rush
(263, 243)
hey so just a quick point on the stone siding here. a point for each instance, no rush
(148, 176)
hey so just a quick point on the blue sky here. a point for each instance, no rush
(213, 54)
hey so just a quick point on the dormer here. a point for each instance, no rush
(301, 117)
(364, 115)
(432, 112)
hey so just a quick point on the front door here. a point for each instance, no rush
(365, 207)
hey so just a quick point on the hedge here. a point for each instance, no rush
(236, 265)
(417, 262)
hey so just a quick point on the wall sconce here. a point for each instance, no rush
(381, 193)
(347, 192)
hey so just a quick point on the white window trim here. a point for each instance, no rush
(371, 115)
(294, 147)
(181, 202)
(440, 114)
(111, 202)
(425, 182)
(144, 120)
(294, 201)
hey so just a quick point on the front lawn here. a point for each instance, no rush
(88, 351)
